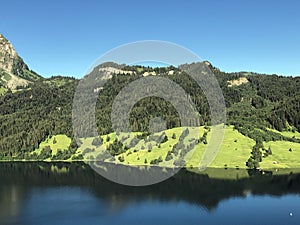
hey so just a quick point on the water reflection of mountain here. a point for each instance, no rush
(18, 178)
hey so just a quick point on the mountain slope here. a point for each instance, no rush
(255, 109)
(14, 73)
(261, 108)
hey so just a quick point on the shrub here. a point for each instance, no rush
(79, 157)
(149, 147)
(165, 139)
(121, 158)
(156, 161)
(97, 141)
(179, 162)
(169, 156)
(87, 150)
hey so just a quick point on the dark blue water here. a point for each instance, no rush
(35, 194)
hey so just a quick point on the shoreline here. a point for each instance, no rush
(211, 172)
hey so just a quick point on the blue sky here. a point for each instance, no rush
(66, 37)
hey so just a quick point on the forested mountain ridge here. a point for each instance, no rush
(258, 106)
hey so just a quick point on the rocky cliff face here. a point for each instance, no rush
(14, 73)
(7, 54)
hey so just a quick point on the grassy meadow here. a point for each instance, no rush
(230, 160)
(56, 142)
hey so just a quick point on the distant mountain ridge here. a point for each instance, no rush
(14, 72)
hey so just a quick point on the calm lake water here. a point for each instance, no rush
(42, 193)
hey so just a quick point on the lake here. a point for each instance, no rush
(72, 193)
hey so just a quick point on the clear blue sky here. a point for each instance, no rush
(65, 37)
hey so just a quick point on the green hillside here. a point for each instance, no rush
(232, 156)
(234, 152)
(262, 129)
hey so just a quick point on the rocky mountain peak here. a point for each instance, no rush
(7, 55)
(14, 73)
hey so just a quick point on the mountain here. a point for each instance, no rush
(36, 122)
(14, 73)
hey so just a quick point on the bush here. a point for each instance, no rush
(169, 156)
(134, 141)
(79, 157)
(184, 134)
(149, 147)
(73, 147)
(175, 149)
(115, 148)
(97, 141)
(252, 164)
(143, 135)
(87, 150)
(165, 139)
(66, 155)
(269, 151)
(121, 158)
(156, 161)
(45, 153)
(179, 162)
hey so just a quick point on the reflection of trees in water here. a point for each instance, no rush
(18, 178)
(11, 198)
